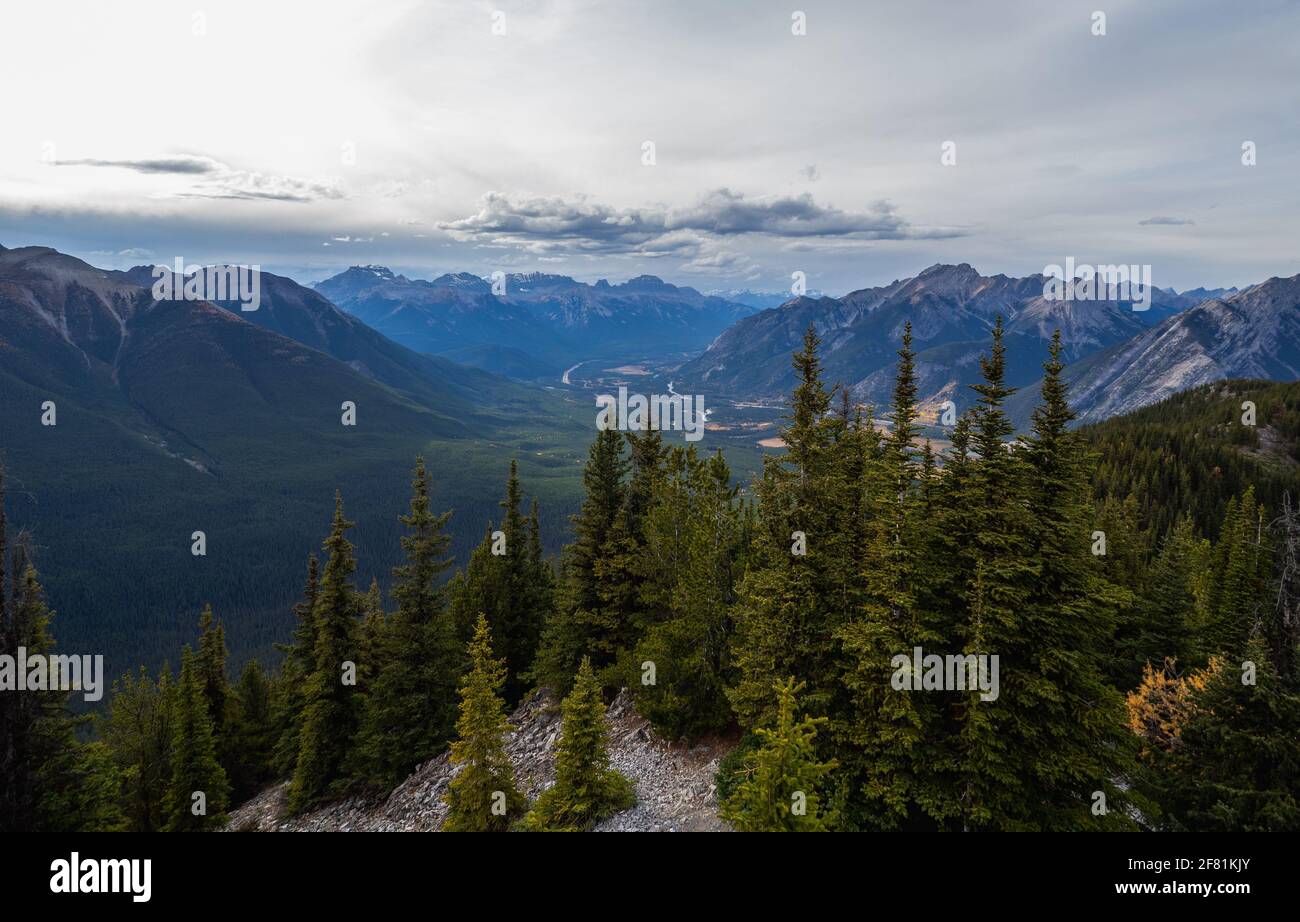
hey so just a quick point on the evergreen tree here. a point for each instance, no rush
(299, 662)
(48, 780)
(692, 534)
(410, 709)
(586, 789)
(509, 588)
(779, 792)
(1166, 622)
(138, 731)
(581, 624)
(792, 599)
(252, 733)
(329, 719)
(195, 768)
(482, 797)
(210, 661)
(884, 729)
(1066, 722)
(1236, 764)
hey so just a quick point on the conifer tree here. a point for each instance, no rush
(138, 731)
(482, 797)
(791, 601)
(1236, 765)
(586, 789)
(884, 727)
(299, 662)
(252, 733)
(692, 533)
(409, 712)
(210, 661)
(329, 718)
(505, 582)
(1067, 726)
(195, 769)
(581, 625)
(779, 792)
(1166, 620)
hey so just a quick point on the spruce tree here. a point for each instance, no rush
(581, 625)
(693, 537)
(195, 769)
(410, 709)
(792, 599)
(509, 588)
(1236, 765)
(1065, 721)
(782, 776)
(884, 729)
(586, 789)
(299, 662)
(252, 733)
(138, 731)
(329, 718)
(482, 797)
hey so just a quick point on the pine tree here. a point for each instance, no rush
(692, 534)
(195, 769)
(138, 731)
(586, 789)
(1236, 765)
(581, 625)
(329, 718)
(1239, 575)
(299, 662)
(793, 597)
(1165, 622)
(252, 733)
(1066, 722)
(884, 729)
(409, 710)
(779, 792)
(48, 780)
(509, 588)
(210, 661)
(482, 797)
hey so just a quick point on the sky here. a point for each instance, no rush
(433, 137)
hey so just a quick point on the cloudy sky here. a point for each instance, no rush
(306, 137)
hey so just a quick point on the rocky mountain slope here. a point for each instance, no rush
(178, 416)
(1254, 333)
(951, 309)
(675, 785)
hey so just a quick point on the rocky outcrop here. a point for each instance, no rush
(674, 783)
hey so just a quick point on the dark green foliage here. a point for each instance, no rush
(583, 625)
(586, 789)
(779, 781)
(49, 781)
(251, 734)
(290, 697)
(482, 797)
(329, 719)
(508, 581)
(195, 768)
(1236, 765)
(138, 732)
(693, 547)
(409, 709)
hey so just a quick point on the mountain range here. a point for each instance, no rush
(538, 323)
(952, 309)
(176, 416)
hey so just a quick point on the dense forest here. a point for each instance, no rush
(1136, 581)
